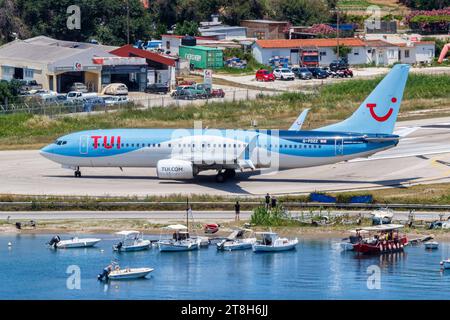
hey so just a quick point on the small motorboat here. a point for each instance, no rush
(236, 241)
(211, 227)
(271, 242)
(238, 244)
(431, 245)
(382, 216)
(73, 243)
(445, 264)
(204, 242)
(114, 272)
(131, 241)
(180, 241)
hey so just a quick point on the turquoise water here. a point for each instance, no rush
(316, 270)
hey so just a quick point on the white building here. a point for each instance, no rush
(264, 50)
(377, 51)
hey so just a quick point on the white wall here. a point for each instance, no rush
(424, 53)
(174, 44)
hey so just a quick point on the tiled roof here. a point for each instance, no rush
(130, 51)
(297, 43)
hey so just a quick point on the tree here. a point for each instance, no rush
(10, 22)
(343, 51)
(303, 12)
(187, 28)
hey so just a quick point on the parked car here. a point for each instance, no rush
(200, 91)
(283, 74)
(184, 94)
(217, 93)
(116, 89)
(264, 75)
(27, 85)
(112, 100)
(78, 86)
(338, 65)
(318, 73)
(157, 88)
(302, 73)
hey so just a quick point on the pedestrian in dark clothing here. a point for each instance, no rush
(274, 202)
(267, 201)
(237, 211)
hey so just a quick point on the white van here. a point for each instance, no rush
(76, 95)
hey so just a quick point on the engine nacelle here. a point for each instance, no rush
(173, 169)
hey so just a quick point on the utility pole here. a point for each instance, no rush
(128, 21)
(337, 31)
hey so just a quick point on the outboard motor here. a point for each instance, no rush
(119, 246)
(54, 241)
(104, 276)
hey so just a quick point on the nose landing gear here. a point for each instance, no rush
(77, 173)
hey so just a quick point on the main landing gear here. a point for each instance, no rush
(223, 175)
(77, 173)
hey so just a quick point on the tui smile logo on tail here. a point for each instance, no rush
(372, 106)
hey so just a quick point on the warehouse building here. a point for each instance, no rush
(58, 64)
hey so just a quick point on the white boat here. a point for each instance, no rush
(114, 272)
(382, 216)
(271, 242)
(203, 241)
(431, 245)
(129, 273)
(180, 240)
(131, 241)
(73, 243)
(236, 241)
(445, 264)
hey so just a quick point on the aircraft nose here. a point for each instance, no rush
(46, 151)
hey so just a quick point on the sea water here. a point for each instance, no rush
(317, 269)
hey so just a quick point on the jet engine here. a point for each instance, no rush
(173, 169)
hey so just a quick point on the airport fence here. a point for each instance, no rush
(135, 101)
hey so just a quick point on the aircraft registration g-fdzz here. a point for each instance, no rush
(183, 153)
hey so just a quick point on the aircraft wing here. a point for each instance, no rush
(297, 125)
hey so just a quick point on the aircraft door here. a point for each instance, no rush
(339, 146)
(84, 144)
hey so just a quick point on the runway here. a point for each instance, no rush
(27, 173)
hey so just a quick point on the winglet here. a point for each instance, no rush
(297, 125)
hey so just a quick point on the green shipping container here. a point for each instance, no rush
(202, 57)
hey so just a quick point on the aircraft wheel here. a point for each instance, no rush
(78, 174)
(220, 177)
(230, 173)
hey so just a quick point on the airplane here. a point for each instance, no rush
(179, 154)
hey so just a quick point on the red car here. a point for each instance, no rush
(264, 75)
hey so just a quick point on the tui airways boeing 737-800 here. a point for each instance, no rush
(184, 153)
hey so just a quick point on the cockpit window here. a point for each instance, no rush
(60, 142)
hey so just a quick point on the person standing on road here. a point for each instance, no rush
(237, 211)
(267, 201)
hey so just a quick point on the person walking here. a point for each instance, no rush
(237, 211)
(274, 202)
(267, 201)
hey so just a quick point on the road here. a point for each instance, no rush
(27, 173)
(176, 216)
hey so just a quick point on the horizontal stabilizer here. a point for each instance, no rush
(297, 125)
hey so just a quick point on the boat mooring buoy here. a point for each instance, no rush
(9, 244)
